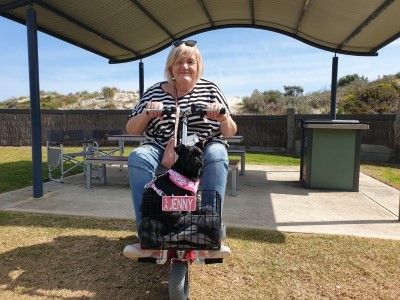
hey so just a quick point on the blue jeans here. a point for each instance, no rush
(144, 160)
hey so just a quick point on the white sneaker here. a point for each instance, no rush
(135, 251)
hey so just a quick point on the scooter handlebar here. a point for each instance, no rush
(164, 111)
(222, 111)
(202, 111)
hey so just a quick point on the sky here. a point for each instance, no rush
(238, 60)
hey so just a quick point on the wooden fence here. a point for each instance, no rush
(262, 133)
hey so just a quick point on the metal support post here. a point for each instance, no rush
(334, 86)
(35, 102)
(141, 79)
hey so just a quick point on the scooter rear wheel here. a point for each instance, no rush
(178, 285)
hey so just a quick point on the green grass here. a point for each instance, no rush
(61, 257)
(271, 159)
(66, 257)
(384, 172)
(16, 167)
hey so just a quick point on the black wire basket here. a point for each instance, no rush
(182, 223)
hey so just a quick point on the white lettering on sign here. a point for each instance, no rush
(179, 203)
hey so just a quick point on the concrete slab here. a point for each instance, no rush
(273, 198)
(269, 197)
(111, 200)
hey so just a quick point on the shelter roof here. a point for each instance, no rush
(127, 30)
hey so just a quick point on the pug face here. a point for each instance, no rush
(190, 160)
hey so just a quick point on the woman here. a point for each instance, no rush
(183, 71)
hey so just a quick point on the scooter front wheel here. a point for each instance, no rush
(178, 285)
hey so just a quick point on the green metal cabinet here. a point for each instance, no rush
(330, 154)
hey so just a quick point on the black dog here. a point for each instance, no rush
(181, 180)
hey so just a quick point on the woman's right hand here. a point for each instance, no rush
(159, 106)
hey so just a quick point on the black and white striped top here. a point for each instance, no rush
(159, 131)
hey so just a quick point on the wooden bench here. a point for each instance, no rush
(242, 154)
(105, 160)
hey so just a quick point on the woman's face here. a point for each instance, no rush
(185, 70)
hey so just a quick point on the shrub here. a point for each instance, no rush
(263, 102)
(109, 105)
(109, 92)
(376, 98)
(346, 80)
(293, 90)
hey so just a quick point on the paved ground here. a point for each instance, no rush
(268, 198)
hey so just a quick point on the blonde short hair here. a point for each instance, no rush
(181, 53)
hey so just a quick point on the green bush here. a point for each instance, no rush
(348, 79)
(266, 102)
(109, 92)
(375, 98)
(109, 105)
(293, 90)
(274, 102)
